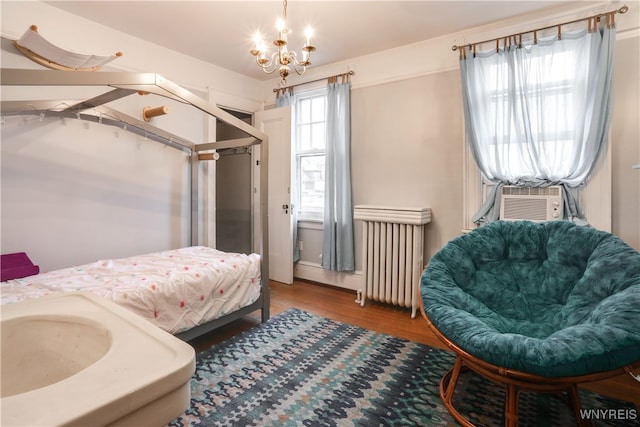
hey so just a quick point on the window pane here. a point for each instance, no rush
(304, 111)
(317, 109)
(312, 183)
(318, 136)
(304, 137)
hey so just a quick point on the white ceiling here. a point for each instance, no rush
(220, 32)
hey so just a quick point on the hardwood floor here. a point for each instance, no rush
(340, 305)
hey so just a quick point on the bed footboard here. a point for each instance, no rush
(261, 304)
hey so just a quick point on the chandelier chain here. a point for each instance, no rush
(284, 10)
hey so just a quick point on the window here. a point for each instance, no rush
(548, 92)
(539, 115)
(310, 145)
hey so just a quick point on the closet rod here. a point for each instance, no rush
(622, 10)
(283, 89)
(105, 116)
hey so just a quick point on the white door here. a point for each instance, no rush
(276, 123)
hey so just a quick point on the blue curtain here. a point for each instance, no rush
(287, 98)
(539, 114)
(338, 246)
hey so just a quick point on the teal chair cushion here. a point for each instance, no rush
(552, 299)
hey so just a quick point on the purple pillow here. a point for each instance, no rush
(17, 265)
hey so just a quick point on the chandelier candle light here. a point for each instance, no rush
(283, 58)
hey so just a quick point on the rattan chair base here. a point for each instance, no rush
(449, 382)
(513, 381)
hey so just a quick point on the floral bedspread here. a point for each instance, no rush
(176, 290)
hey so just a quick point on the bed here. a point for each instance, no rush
(181, 291)
(191, 300)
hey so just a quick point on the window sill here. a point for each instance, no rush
(310, 224)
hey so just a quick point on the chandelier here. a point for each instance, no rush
(283, 59)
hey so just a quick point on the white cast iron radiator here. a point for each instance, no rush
(392, 253)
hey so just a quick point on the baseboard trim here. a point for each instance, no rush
(310, 271)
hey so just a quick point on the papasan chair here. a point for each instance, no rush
(534, 307)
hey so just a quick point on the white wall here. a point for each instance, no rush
(74, 192)
(406, 149)
(625, 136)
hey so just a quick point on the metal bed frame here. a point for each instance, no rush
(123, 84)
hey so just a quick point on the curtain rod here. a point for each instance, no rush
(283, 89)
(623, 9)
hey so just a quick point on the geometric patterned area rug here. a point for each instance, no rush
(299, 369)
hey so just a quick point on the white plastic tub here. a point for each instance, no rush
(77, 359)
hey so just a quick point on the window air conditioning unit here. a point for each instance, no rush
(531, 203)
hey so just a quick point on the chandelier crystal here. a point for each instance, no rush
(283, 59)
